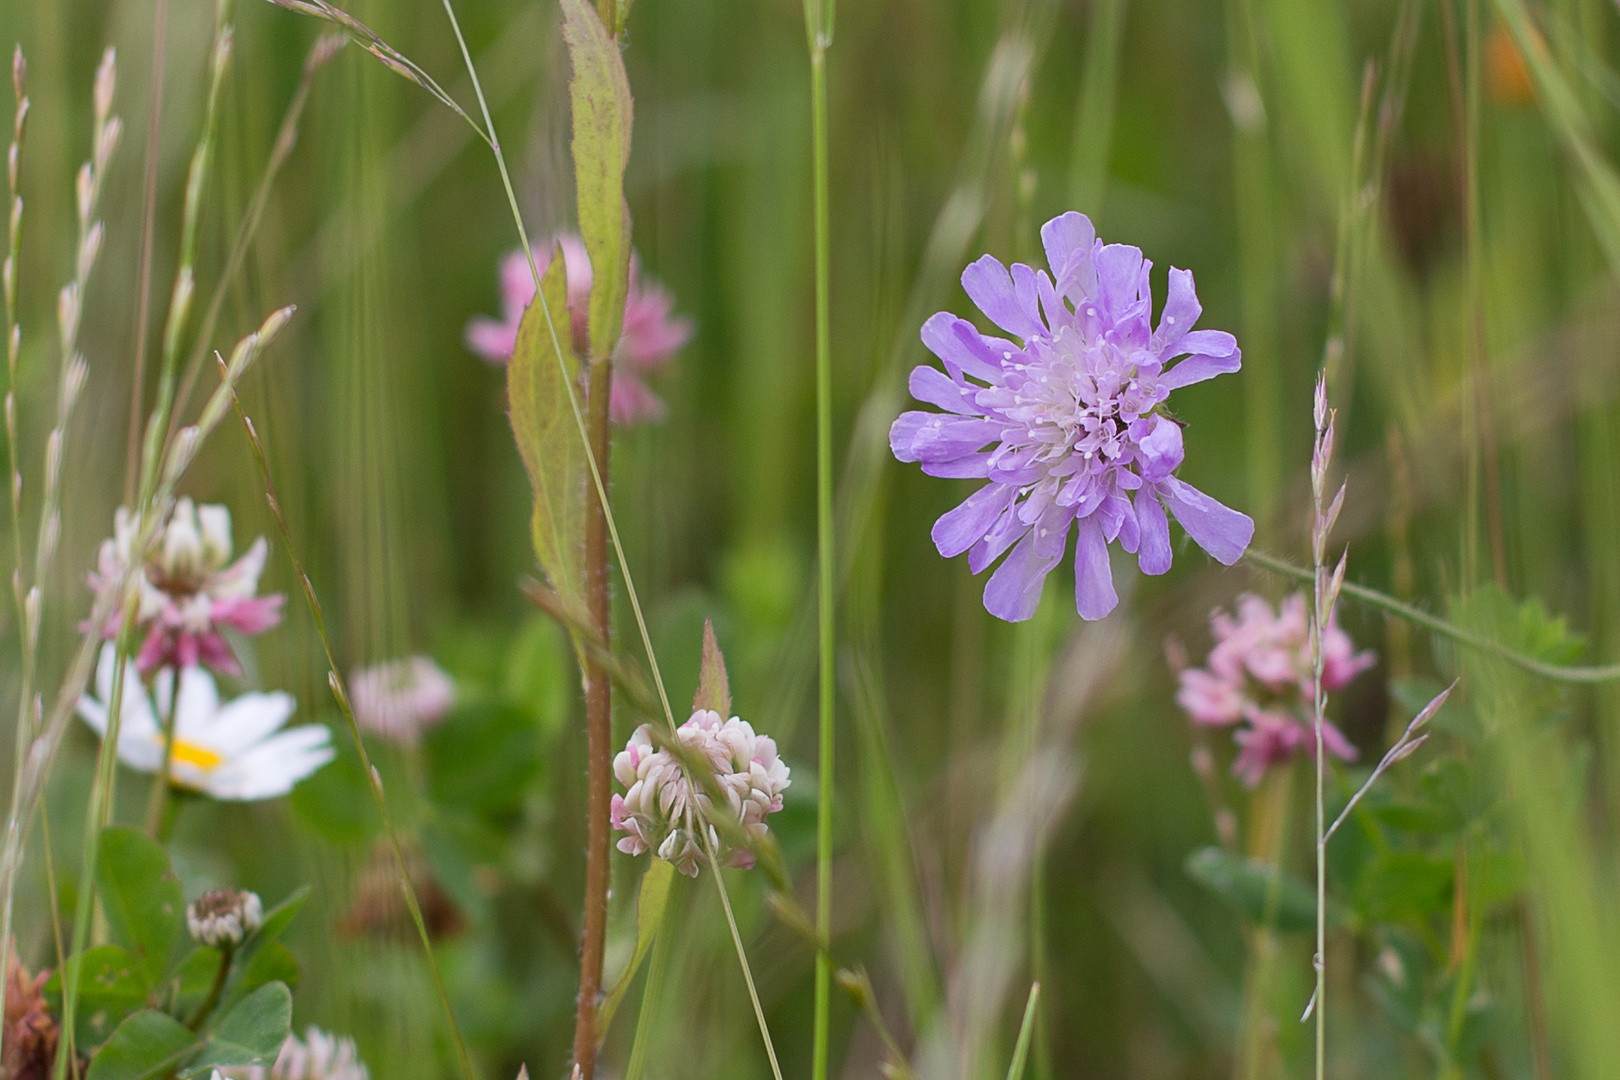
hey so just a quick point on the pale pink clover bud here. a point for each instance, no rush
(221, 918)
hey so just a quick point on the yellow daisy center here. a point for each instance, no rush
(192, 754)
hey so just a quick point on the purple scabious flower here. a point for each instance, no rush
(1067, 427)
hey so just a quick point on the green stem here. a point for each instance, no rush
(157, 803)
(206, 1009)
(1435, 624)
(742, 958)
(818, 31)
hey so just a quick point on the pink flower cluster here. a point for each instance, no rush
(1259, 678)
(189, 590)
(400, 699)
(651, 336)
(661, 812)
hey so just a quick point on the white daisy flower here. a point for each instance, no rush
(231, 750)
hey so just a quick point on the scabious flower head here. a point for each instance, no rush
(663, 813)
(221, 917)
(399, 699)
(233, 750)
(189, 590)
(1258, 678)
(317, 1056)
(1067, 427)
(652, 333)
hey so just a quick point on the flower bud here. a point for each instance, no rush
(223, 917)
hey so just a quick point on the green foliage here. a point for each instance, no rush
(1263, 894)
(656, 883)
(112, 985)
(714, 689)
(538, 382)
(141, 898)
(251, 1033)
(148, 1045)
(484, 758)
(602, 111)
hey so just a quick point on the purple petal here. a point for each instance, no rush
(1094, 594)
(1199, 367)
(1001, 536)
(1014, 590)
(1219, 530)
(1069, 240)
(1181, 311)
(924, 436)
(491, 340)
(931, 385)
(945, 337)
(1154, 551)
(1161, 450)
(961, 528)
(1119, 277)
(990, 287)
(971, 467)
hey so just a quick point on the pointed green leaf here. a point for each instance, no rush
(251, 1033)
(141, 896)
(655, 886)
(147, 1045)
(1258, 891)
(600, 94)
(547, 434)
(714, 689)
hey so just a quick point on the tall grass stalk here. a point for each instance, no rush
(818, 26)
(373, 777)
(8, 283)
(143, 280)
(174, 329)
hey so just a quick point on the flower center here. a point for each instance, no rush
(194, 755)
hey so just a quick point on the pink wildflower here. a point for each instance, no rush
(652, 333)
(1259, 677)
(399, 699)
(660, 811)
(189, 590)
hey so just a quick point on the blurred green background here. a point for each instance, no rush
(1477, 388)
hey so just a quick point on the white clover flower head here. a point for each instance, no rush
(399, 699)
(661, 812)
(232, 750)
(319, 1055)
(223, 917)
(189, 590)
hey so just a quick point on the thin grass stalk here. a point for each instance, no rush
(105, 130)
(818, 24)
(340, 692)
(143, 282)
(651, 994)
(1566, 673)
(320, 53)
(1026, 1029)
(25, 705)
(488, 134)
(185, 283)
(742, 959)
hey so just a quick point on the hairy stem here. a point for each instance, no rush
(206, 1009)
(598, 732)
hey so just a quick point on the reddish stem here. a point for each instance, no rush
(598, 732)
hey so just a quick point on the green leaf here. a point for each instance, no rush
(655, 886)
(484, 758)
(714, 689)
(548, 438)
(141, 897)
(600, 93)
(1403, 885)
(112, 985)
(251, 1033)
(1257, 890)
(147, 1045)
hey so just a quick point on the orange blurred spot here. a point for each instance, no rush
(1507, 76)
